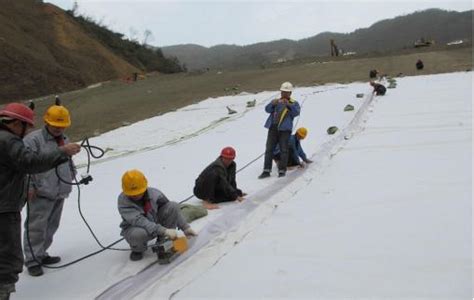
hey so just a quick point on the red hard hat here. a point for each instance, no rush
(18, 111)
(228, 152)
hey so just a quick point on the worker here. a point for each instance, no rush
(295, 150)
(16, 161)
(419, 64)
(147, 214)
(47, 191)
(281, 112)
(379, 89)
(217, 182)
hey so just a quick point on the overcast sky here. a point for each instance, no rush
(210, 23)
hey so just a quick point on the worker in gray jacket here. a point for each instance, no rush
(47, 191)
(147, 214)
(16, 161)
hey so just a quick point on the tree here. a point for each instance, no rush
(133, 34)
(147, 36)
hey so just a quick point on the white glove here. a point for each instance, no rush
(190, 232)
(171, 234)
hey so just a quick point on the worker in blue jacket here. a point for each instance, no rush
(296, 154)
(280, 124)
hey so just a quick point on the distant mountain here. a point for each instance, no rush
(392, 34)
(44, 50)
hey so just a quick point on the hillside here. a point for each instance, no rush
(387, 35)
(44, 50)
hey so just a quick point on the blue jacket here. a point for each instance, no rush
(295, 149)
(282, 114)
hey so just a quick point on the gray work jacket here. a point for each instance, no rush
(47, 184)
(133, 213)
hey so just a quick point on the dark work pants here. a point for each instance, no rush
(209, 190)
(281, 137)
(11, 255)
(291, 161)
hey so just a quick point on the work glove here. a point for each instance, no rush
(171, 234)
(70, 149)
(189, 232)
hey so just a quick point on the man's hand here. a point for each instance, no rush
(209, 205)
(171, 234)
(190, 232)
(71, 149)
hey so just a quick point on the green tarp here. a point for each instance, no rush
(192, 212)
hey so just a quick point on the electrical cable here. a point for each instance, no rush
(85, 180)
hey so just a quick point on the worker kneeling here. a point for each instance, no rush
(217, 182)
(295, 151)
(147, 214)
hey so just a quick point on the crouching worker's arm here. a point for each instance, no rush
(135, 218)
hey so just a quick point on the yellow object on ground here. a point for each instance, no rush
(180, 244)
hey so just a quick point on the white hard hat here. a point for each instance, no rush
(286, 87)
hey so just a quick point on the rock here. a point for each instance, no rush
(332, 130)
(251, 103)
(349, 107)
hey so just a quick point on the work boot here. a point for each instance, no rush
(35, 271)
(264, 174)
(281, 174)
(50, 260)
(134, 256)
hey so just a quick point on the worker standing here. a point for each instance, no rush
(281, 112)
(47, 191)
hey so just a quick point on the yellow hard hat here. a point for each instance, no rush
(58, 116)
(134, 183)
(302, 132)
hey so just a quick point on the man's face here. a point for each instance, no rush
(285, 95)
(137, 197)
(17, 128)
(55, 131)
(226, 161)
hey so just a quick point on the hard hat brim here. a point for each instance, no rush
(135, 192)
(59, 124)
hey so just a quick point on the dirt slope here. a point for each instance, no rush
(43, 50)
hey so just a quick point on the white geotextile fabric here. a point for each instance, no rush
(232, 215)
